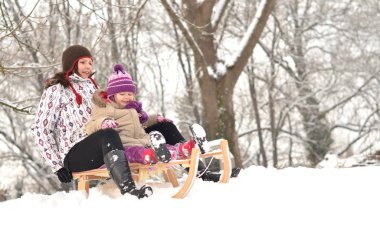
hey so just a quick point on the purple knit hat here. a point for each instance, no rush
(120, 81)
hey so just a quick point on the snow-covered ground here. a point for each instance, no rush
(263, 209)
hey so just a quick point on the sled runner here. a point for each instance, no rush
(140, 171)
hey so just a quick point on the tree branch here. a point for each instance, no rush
(20, 23)
(250, 39)
(187, 34)
(347, 98)
(26, 109)
(222, 6)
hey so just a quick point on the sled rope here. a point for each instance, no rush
(199, 175)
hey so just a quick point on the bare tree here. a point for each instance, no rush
(255, 104)
(309, 37)
(199, 22)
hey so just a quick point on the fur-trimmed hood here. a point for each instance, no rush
(100, 98)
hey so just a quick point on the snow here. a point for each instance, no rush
(10, 177)
(217, 12)
(331, 160)
(115, 157)
(263, 209)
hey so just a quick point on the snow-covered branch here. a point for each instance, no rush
(342, 102)
(27, 109)
(219, 11)
(27, 67)
(186, 33)
(20, 23)
(251, 37)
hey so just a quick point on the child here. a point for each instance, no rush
(117, 108)
(61, 116)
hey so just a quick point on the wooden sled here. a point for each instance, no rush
(139, 171)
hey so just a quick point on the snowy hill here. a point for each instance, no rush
(264, 209)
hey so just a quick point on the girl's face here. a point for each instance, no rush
(123, 98)
(85, 67)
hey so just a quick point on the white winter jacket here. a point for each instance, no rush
(60, 122)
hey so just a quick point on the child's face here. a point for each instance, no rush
(122, 98)
(85, 67)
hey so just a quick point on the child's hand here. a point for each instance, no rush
(143, 116)
(161, 119)
(109, 123)
(134, 105)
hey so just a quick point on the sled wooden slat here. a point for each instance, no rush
(192, 163)
(227, 166)
(171, 177)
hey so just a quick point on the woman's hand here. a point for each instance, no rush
(64, 175)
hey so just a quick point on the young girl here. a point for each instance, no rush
(117, 108)
(59, 127)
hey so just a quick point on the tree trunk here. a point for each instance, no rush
(217, 86)
(318, 136)
(114, 48)
(252, 88)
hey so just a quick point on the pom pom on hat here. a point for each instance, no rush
(120, 81)
(119, 68)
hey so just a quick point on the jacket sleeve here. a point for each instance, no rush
(45, 122)
(152, 120)
(95, 124)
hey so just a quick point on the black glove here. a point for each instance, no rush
(64, 175)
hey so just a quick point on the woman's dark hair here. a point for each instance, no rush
(60, 78)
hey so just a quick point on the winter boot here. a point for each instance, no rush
(211, 176)
(149, 156)
(207, 175)
(174, 154)
(184, 149)
(158, 144)
(140, 154)
(235, 172)
(119, 171)
(199, 136)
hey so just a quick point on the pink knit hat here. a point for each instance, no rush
(120, 81)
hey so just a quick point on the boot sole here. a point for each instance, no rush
(197, 133)
(158, 145)
(145, 192)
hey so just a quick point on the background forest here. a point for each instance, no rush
(285, 82)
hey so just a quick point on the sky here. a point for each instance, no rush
(295, 208)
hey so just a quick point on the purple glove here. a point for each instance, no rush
(143, 116)
(134, 105)
(109, 123)
(161, 119)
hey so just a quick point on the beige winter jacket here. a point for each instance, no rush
(131, 131)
